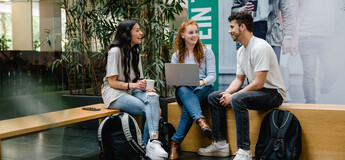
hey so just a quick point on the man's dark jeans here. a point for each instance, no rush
(263, 99)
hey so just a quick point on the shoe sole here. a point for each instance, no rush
(157, 154)
(154, 157)
(206, 132)
(215, 154)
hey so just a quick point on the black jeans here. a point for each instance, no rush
(263, 99)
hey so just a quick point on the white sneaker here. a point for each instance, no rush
(243, 155)
(155, 151)
(215, 150)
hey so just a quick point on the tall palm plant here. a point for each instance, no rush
(90, 27)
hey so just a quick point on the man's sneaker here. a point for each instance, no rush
(155, 151)
(243, 155)
(215, 150)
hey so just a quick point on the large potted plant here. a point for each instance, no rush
(90, 27)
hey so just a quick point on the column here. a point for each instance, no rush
(50, 19)
(22, 25)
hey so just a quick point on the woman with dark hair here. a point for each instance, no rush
(189, 49)
(122, 88)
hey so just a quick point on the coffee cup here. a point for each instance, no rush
(255, 3)
(150, 84)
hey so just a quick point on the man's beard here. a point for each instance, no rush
(236, 35)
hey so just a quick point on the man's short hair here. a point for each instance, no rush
(243, 17)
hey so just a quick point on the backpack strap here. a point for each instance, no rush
(99, 138)
(125, 126)
(269, 148)
(138, 147)
(279, 146)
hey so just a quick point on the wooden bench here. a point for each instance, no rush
(323, 129)
(18, 126)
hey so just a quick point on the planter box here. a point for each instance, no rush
(164, 106)
(72, 101)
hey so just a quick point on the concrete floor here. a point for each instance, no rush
(64, 143)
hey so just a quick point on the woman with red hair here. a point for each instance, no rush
(189, 49)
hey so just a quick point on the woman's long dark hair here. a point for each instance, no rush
(130, 55)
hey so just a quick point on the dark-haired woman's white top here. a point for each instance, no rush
(115, 68)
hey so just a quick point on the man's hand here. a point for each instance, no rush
(248, 7)
(225, 100)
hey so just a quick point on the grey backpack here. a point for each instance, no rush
(119, 138)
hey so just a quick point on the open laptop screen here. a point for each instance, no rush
(180, 74)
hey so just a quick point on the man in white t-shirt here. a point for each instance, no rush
(256, 60)
(267, 24)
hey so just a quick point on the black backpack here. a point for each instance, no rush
(119, 138)
(166, 131)
(280, 137)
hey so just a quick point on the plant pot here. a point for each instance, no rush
(71, 101)
(164, 106)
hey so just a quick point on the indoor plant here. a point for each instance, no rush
(90, 27)
(3, 43)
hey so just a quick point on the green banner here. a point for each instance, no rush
(205, 13)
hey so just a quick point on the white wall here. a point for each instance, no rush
(227, 47)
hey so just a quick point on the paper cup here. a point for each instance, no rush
(150, 84)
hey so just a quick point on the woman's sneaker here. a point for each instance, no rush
(155, 151)
(243, 155)
(215, 150)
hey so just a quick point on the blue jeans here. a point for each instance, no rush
(141, 104)
(263, 99)
(313, 49)
(191, 98)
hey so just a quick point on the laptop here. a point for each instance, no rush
(180, 74)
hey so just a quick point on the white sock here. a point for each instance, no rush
(221, 142)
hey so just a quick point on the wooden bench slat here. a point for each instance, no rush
(22, 125)
(333, 107)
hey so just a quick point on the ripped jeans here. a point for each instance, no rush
(141, 104)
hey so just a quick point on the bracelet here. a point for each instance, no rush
(128, 86)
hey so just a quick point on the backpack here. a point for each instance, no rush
(279, 137)
(166, 131)
(119, 138)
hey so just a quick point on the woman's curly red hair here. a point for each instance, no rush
(180, 44)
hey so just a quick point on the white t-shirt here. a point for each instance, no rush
(115, 68)
(318, 17)
(259, 56)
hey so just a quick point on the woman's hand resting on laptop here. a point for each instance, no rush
(202, 82)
